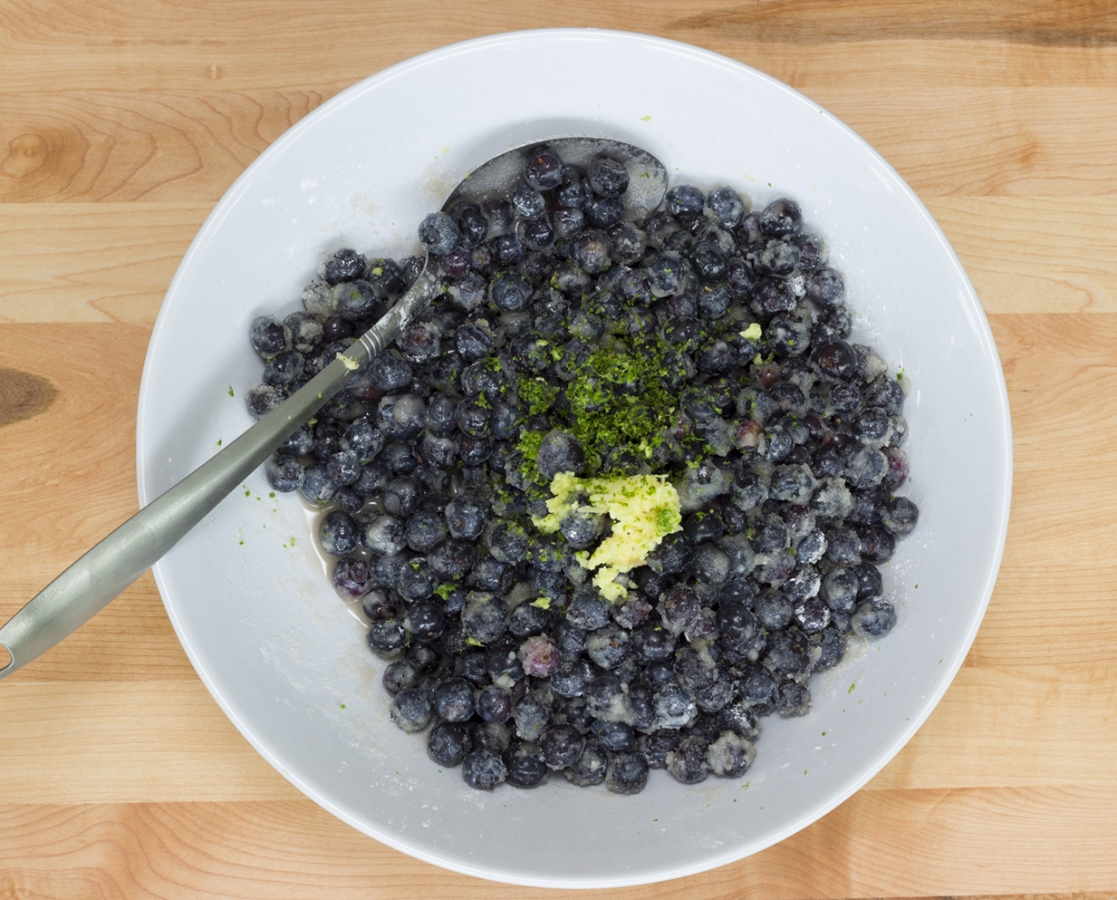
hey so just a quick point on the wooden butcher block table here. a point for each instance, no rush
(122, 123)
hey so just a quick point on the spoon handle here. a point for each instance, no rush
(110, 566)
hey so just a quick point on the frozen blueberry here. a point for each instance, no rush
(483, 769)
(561, 745)
(439, 234)
(494, 704)
(410, 710)
(674, 706)
(345, 265)
(607, 177)
(874, 617)
(284, 473)
(448, 743)
(387, 638)
(525, 764)
(453, 701)
(609, 646)
(588, 609)
(627, 773)
(899, 515)
(339, 533)
(780, 217)
(725, 203)
(794, 699)
(685, 202)
(560, 451)
(730, 755)
(425, 619)
(466, 517)
(591, 767)
(687, 761)
(531, 715)
(484, 617)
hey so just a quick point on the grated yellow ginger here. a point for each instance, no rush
(644, 510)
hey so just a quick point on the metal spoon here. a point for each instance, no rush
(119, 559)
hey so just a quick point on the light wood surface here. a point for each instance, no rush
(122, 123)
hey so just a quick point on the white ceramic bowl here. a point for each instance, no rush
(247, 595)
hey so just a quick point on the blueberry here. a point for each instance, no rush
(869, 581)
(401, 416)
(419, 342)
(338, 533)
(710, 564)
(811, 615)
(473, 227)
(448, 743)
(317, 488)
(835, 358)
(561, 746)
(788, 653)
(591, 251)
(560, 451)
(757, 687)
(794, 699)
(452, 559)
(627, 773)
(531, 716)
(780, 217)
(510, 291)
(685, 202)
(590, 767)
(527, 619)
(399, 675)
(387, 638)
(605, 212)
(439, 234)
(345, 265)
(667, 274)
(874, 617)
(877, 544)
(826, 287)
(508, 543)
(401, 496)
(494, 704)
(414, 580)
(899, 515)
(466, 517)
(483, 770)
(831, 647)
(582, 529)
(726, 205)
(389, 371)
(284, 473)
(674, 706)
(588, 609)
(410, 710)
(357, 301)
(262, 399)
(687, 762)
(730, 755)
(525, 764)
(484, 617)
(527, 201)
(607, 177)
(298, 444)
(351, 577)
(425, 619)
(453, 701)
(609, 646)
(494, 736)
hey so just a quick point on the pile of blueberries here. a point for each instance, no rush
(785, 447)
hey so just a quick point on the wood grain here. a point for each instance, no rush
(122, 122)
